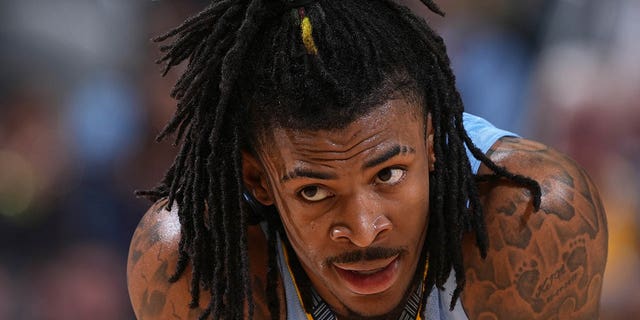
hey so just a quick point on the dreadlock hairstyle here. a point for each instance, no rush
(257, 64)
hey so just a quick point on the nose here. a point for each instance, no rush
(362, 223)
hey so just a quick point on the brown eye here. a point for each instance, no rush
(314, 193)
(390, 175)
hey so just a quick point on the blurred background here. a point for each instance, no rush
(81, 102)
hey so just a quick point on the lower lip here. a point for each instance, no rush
(370, 283)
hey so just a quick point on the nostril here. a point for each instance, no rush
(381, 223)
(338, 232)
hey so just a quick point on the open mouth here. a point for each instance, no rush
(369, 278)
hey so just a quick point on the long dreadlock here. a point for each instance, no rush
(257, 64)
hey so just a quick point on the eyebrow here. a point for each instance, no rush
(307, 173)
(394, 151)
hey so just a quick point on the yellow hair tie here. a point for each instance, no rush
(307, 37)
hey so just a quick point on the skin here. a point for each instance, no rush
(540, 265)
(364, 195)
(544, 265)
(153, 256)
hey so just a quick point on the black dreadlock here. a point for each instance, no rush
(257, 64)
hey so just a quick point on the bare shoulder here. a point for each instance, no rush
(153, 256)
(540, 265)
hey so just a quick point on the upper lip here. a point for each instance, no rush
(366, 265)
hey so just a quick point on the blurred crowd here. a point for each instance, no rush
(81, 101)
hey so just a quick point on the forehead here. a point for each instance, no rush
(395, 121)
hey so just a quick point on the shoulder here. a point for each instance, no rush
(153, 256)
(544, 265)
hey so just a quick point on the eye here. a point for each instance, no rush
(314, 193)
(390, 175)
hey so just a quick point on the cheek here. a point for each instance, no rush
(306, 236)
(412, 207)
(307, 246)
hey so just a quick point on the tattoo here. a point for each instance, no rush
(144, 238)
(156, 303)
(544, 265)
(154, 299)
(152, 259)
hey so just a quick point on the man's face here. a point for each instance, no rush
(353, 202)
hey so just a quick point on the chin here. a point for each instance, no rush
(392, 314)
(385, 305)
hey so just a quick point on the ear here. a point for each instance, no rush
(255, 179)
(431, 155)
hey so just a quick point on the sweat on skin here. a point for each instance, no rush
(350, 190)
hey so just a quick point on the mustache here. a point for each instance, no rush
(368, 254)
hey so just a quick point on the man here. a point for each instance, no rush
(323, 174)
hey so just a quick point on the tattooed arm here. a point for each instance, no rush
(153, 255)
(543, 265)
